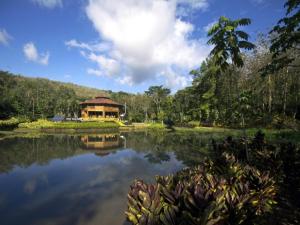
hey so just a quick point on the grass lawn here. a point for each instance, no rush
(271, 134)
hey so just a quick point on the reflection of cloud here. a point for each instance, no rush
(2, 201)
(31, 185)
(111, 184)
(107, 174)
(86, 189)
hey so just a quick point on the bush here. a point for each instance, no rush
(238, 186)
(46, 124)
(9, 124)
(190, 124)
(194, 123)
(168, 123)
(203, 195)
(207, 124)
(36, 124)
(156, 126)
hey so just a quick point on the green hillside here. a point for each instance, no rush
(40, 97)
(80, 91)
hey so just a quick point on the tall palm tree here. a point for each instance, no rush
(228, 42)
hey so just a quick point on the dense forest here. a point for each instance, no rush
(35, 98)
(239, 84)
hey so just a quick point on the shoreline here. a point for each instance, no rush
(275, 134)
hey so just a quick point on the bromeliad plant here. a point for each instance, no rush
(203, 195)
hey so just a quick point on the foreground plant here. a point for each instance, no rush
(207, 194)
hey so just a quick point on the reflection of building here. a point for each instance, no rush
(100, 108)
(102, 143)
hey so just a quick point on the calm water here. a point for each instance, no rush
(73, 179)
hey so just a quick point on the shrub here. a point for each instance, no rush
(236, 187)
(36, 124)
(9, 124)
(46, 124)
(168, 123)
(203, 195)
(156, 126)
(194, 123)
(190, 124)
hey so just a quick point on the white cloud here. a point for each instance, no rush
(106, 65)
(111, 66)
(87, 46)
(49, 3)
(146, 41)
(174, 79)
(187, 7)
(4, 37)
(195, 4)
(32, 54)
(94, 72)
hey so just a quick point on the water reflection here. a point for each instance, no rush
(102, 144)
(75, 179)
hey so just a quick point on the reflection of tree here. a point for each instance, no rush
(157, 156)
(188, 147)
(24, 152)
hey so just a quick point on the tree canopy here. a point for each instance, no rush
(228, 41)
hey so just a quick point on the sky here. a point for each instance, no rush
(119, 45)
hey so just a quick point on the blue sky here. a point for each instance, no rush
(125, 45)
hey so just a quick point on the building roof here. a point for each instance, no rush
(101, 100)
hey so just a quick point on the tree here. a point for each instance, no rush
(229, 41)
(285, 44)
(158, 95)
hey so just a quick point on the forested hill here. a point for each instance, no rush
(40, 97)
(80, 91)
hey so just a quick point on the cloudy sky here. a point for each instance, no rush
(118, 45)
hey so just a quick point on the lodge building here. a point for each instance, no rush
(100, 108)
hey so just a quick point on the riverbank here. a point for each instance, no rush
(48, 127)
(213, 132)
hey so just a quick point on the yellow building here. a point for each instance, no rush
(100, 108)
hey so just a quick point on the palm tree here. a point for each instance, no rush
(228, 42)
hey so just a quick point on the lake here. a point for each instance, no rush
(84, 179)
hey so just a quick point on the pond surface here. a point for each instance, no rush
(84, 179)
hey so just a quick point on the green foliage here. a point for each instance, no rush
(156, 126)
(40, 123)
(202, 195)
(241, 97)
(9, 124)
(158, 94)
(285, 43)
(230, 189)
(45, 124)
(228, 42)
(169, 123)
(35, 98)
(138, 106)
(194, 123)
